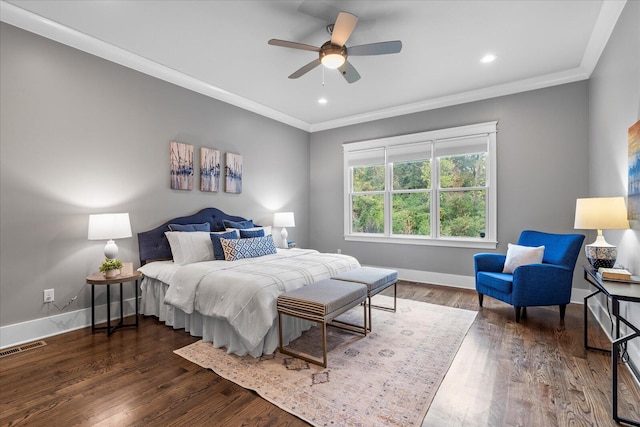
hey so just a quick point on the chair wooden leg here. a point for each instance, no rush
(480, 298)
(517, 314)
(563, 310)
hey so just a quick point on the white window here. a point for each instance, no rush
(393, 187)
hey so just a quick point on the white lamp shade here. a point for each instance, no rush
(109, 226)
(283, 219)
(601, 213)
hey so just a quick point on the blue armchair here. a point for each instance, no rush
(547, 283)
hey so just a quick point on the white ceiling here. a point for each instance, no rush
(220, 48)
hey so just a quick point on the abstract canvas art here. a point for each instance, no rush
(633, 204)
(209, 169)
(233, 173)
(181, 166)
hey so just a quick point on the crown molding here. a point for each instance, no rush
(540, 82)
(605, 23)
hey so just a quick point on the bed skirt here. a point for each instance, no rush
(215, 330)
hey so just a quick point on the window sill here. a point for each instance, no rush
(419, 241)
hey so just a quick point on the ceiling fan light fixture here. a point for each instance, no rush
(333, 60)
(332, 56)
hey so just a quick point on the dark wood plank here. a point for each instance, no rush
(532, 373)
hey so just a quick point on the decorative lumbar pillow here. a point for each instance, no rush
(521, 255)
(235, 249)
(244, 234)
(190, 247)
(237, 224)
(205, 226)
(266, 229)
(218, 252)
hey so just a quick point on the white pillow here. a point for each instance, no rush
(521, 255)
(190, 247)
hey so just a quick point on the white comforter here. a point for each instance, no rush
(244, 292)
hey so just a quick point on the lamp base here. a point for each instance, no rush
(601, 256)
(283, 236)
(111, 249)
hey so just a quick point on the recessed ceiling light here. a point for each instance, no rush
(322, 101)
(488, 58)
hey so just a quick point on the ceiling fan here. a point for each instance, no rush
(334, 53)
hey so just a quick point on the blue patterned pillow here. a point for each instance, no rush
(218, 252)
(237, 224)
(244, 234)
(205, 226)
(252, 247)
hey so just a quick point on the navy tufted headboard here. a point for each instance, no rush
(153, 244)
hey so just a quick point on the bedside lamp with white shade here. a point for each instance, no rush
(601, 213)
(284, 219)
(109, 227)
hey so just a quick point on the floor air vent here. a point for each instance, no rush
(21, 348)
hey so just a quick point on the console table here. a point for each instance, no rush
(616, 291)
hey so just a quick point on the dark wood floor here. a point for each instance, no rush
(535, 373)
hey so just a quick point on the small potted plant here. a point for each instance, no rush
(110, 267)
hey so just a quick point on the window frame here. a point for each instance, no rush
(434, 138)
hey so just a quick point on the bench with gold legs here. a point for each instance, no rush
(376, 279)
(322, 302)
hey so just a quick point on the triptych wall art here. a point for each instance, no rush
(182, 169)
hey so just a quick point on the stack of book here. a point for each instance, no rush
(616, 274)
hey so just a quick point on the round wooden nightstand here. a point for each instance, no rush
(127, 274)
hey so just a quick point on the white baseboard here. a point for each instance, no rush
(452, 280)
(33, 330)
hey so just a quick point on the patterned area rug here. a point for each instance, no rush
(387, 378)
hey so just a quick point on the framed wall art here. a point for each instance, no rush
(209, 169)
(181, 166)
(233, 173)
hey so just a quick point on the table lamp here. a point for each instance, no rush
(109, 227)
(284, 219)
(601, 213)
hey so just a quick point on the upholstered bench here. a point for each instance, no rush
(376, 280)
(322, 302)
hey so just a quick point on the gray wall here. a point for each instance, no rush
(542, 145)
(82, 135)
(614, 106)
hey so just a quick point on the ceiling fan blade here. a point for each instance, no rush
(349, 73)
(293, 45)
(381, 48)
(305, 69)
(344, 26)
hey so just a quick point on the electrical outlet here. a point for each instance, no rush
(339, 251)
(48, 295)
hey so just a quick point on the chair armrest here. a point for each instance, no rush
(489, 262)
(542, 284)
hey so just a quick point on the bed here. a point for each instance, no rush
(229, 303)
